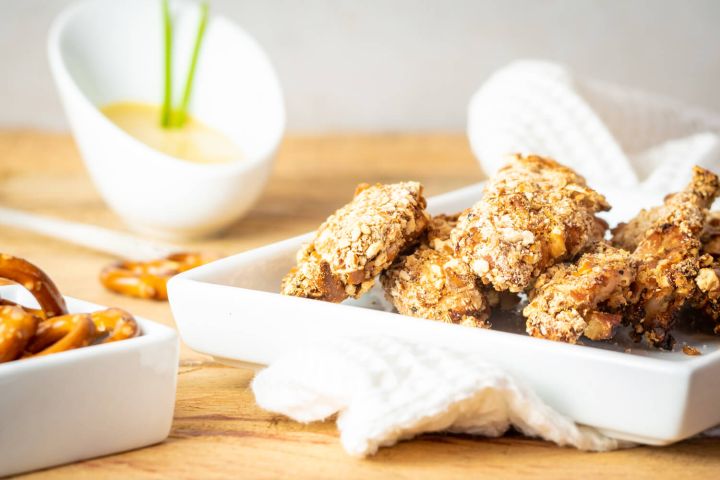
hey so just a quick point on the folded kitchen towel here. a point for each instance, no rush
(616, 137)
(385, 390)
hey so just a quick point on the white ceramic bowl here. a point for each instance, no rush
(87, 402)
(103, 51)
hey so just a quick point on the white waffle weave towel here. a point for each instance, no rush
(614, 136)
(384, 389)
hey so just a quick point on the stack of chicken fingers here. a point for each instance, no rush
(535, 232)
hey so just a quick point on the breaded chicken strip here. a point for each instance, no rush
(628, 235)
(431, 283)
(533, 214)
(358, 241)
(669, 259)
(581, 298)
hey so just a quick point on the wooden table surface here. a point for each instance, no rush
(218, 431)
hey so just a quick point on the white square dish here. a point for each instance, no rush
(87, 402)
(230, 309)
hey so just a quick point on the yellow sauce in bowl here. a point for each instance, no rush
(194, 142)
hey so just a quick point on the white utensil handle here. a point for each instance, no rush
(96, 238)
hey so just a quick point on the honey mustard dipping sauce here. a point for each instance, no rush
(194, 141)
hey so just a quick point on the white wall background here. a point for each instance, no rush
(392, 65)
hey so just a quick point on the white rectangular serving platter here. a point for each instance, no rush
(230, 309)
(87, 402)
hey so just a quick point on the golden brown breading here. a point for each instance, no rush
(359, 241)
(627, 235)
(581, 298)
(669, 259)
(533, 214)
(710, 236)
(431, 283)
(437, 234)
(312, 278)
(706, 300)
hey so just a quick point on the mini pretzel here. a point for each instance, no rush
(35, 311)
(115, 323)
(110, 325)
(36, 281)
(16, 329)
(149, 279)
(28, 332)
(62, 333)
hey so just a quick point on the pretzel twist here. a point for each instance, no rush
(149, 279)
(114, 324)
(17, 327)
(62, 333)
(35, 311)
(36, 281)
(67, 332)
(30, 332)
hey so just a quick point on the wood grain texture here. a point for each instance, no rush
(218, 430)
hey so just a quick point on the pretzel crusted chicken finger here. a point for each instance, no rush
(534, 213)
(358, 241)
(668, 259)
(431, 283)
(628, 235)
(581, 298)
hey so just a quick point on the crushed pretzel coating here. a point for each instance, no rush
(570, 300)
(669, 259)
(710, 236)
(533, 214)
(627, 235)
(312, 278)
(691, 351)
(359, 241)
(431, 283)
(706, 300)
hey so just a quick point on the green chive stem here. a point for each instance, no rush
(165, 119)
(181, 114)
